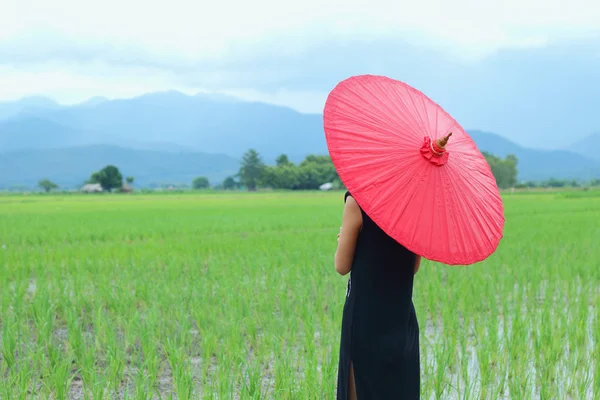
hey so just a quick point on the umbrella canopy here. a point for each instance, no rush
(413, 170)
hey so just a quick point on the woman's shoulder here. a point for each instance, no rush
(347, 195)
(353, 202)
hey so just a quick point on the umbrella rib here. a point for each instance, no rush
(379, 108)
(446, 217)
(361, 119)
(457, 220)
(385, 107)
(475, 206)
(407, 108)
(355, 111)
(414, 187)
(427, 117)
(399, 118)
(406, 121)
(363, 160)
(388, 110)
(437, 120)
(420, 118)
(367, 138)
(432, 212)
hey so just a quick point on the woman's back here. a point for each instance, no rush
(383, 265)
(380, 334)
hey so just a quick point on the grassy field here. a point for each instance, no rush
(227, 296)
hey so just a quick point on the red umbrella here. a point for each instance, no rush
(413, 170)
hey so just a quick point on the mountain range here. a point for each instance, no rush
(588, 147)
(170, 137)
(210, 124)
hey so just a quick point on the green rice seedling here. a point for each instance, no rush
(442, 356)
(7, 388)
(103, 283)
(20, 382)
(282, 371)
(9, 345)
(465, 381)
(226, 379)
(113, 355)
(142, 386)
(61, 379)
(519, 373)
(99, 386)
(251, 383)
(498, 391)
(596, 349)
(429, 370)
(181, 370)
(44, 320)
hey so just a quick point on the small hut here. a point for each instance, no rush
(92, 188)
(326, 186)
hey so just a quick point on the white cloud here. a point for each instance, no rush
(70, 87)
(75, 87)
(73, 49)
(192, 29)
(302, 101)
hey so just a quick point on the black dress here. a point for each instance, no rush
(380, 333)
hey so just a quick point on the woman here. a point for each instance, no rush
(379, 351)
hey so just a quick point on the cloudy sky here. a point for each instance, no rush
(292, 53)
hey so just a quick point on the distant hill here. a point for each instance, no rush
(170, 123)
(539, 164)
(207, 123)
(33, 103)
(29, 133)
(70, 167)
(34, 133)
(588, 146)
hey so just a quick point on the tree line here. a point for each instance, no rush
(504, 169)
(109, 178)
(310, 174)
(317, 170)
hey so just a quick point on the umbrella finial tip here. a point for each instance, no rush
(443, 141)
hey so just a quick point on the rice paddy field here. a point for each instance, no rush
(234, 296)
